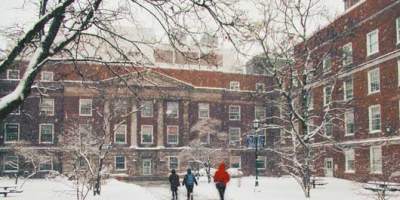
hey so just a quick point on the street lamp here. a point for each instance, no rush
(256, 126)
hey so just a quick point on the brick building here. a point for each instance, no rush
(366, 60)
(149, 142)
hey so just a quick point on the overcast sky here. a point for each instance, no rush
(11, 13)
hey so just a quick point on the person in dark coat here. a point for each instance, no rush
(189, 180)
(221, 178)
(174, 182)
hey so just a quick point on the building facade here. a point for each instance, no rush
(155, 119)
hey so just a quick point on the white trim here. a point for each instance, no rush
(40, 133)
(151, 170)
(177, 111)
(345, 89)
(115, 162)
(234, 85)
(152, 109)
(369, 36)
(325, 99)
(81, 101)
(169, 162)
(177, 134)
(5, 133)
(125, 129)
(42, 74)
(13, 70)
(234, 142)
(50, 159)
(206, 105)
(52, 103)
(398, 30)
(370, 118)
(346, 133)
(263, 109)
(371, 163)
(141, 134)
(376, 70)
(344, 58)
(229, 113)
(324, 64)
(346, 159)
(398, 72)
(262, 85)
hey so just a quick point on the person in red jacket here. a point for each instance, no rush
(221, 178)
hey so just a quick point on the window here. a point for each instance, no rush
(172, 109)
(120, 133)
(172, 134)
(398, 71)
(328, 126)
(374, 118)
(327, 95)
(234, 136)
(260, 162)
(349, 161)
(260, 87)
(13, 74)
(348, 89)
(147, 134)
(234, 113)
(204, 110)
(46, 133)
(10, 163)
(234, 85)
(372, 42)
(235, 162)
(47, 107)
(374, 81)
(85, 130)
(327, 64)
(16, 111)
(120, 162)
(46, 164)
(85, 107)
(120, 106)
(347, 56)
(205, 138)
(11, 131)
(398, 30)
(376, 159)
(260, 112)
(173, 162)
(47, 76)
(310, 126)
(147, 109)
(349, 122)
(146, 167)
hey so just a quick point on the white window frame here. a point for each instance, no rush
(240, 161)
(5, 133)
(369, 38)
(43, 110)
(230, 113)
(370, 73)
(115, 162)
(345, 56)
(258, 109)
(169, 134)
(52, 133)
(345, 85)
(143, 114)
(265, 161)
(171, 103)
(152, 134)
(204, 107)
(346, 132)
(50, 159)
(310, 101)
(123, 127)
(50, 73)
(260, 87)
(230, 131)
(234, 85)
(325, 61)
(81, 102)
(349, 154)
(13, 70)
(398, 30)
(169, 162)
(370, 118)
(398, 72)
(372, 160)
(4, 164)
(150, 170)
(326, 103)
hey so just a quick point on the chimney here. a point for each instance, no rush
(349, 3)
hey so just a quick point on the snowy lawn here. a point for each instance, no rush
(238, 189)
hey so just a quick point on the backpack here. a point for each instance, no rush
(189, 179)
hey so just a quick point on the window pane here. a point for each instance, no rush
(234, 112)
(204, 110)
(173, 162)
(85, 107)
(234, 136)
(172, 134)
(147, 109)
(172, 109)
(120, 134)
(11, 163)
(12, 132)
(47, 107)
(46, 133)
(147, 134)
(120, 162)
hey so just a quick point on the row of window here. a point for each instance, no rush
(173, 163)
(375, 160)
(372, 46)
(11, 164)
(235, 85)
(14, 74)
(12, 133)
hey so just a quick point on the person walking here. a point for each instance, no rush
(189, 180)
(221, 178)
(174, 182)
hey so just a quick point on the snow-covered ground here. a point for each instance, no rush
(238, 189)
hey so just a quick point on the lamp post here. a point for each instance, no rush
(256, 125)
